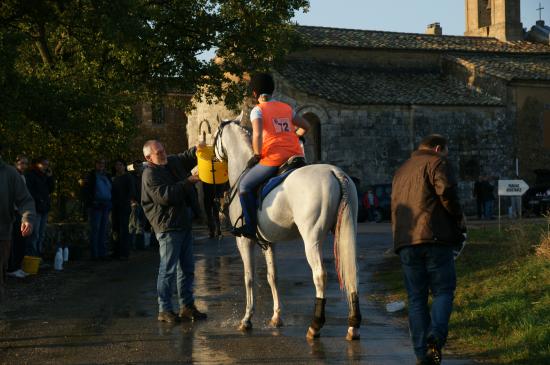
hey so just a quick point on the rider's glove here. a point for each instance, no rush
(253, 161)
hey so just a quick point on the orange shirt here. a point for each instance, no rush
(279, 140)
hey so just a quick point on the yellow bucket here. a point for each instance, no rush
(30, 264)
(211, 170)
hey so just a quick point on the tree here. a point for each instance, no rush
(71, 70)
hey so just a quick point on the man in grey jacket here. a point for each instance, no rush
(13, 193)
(167, 195)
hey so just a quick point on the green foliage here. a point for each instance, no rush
(502, 304)
(70, 71)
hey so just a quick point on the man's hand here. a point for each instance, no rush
(193, 179)
(26, 229)
(253, 161)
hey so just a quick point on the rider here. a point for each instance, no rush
(275, 132)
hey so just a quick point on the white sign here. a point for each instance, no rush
(512, 187)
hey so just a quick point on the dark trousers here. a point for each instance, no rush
(479, 206)
(18, 246)
(120, 217)
(428, 268)
(211, 192)
(5, 247)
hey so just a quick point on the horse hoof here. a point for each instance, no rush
(353, 334)
(276, 322)
(245, 326)
(311, 334)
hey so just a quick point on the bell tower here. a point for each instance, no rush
(494, 18)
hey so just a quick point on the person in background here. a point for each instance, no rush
(371, 203)
(97, 197)
(123, 194)
(41, 184)
(13, 193)
(428, 225)
(212, 194)
(479, 195)
(19, 244)
(137, 222)
(488, 191)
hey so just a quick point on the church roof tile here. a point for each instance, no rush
(352, 38)
(358, 86)
(507, 67)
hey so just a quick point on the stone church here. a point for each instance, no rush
(371, 96)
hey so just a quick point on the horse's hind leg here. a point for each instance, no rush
(354, 319)
(246, 249)
(269, 254)
(315, 260)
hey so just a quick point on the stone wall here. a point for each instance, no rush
(210, 114)
(501, 20)
(533, 105)
(372, 141)
(170, 127)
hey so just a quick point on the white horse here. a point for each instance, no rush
(309, 203)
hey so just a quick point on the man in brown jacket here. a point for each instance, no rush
(427, 224)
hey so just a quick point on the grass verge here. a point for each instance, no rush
(502, 304)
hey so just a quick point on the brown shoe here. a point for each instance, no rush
(168, 317)
(191, 312)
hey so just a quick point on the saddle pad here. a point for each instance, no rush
(272, 184)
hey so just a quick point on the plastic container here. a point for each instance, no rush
(30, 264)
(395, 306)
(58, 261)
(211, 170)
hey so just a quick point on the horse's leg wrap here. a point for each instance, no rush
(354, 319)
(319, 314)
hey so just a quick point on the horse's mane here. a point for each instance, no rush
(243, 132)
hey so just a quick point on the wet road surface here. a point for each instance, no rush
(109, 316)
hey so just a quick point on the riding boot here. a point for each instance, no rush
(248, 229)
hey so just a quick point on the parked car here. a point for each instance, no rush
(536, 201)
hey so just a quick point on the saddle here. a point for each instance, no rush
(293, 163)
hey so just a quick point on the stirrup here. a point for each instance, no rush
(239, 231)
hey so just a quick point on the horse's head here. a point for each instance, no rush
(219, 149)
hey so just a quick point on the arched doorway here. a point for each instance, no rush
(313, 138)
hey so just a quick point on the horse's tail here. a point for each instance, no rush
(345, 235)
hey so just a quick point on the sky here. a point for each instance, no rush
(410, 16)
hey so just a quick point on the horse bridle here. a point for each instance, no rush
(221, 154)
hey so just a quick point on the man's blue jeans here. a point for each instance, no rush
(35, 244)
(428, 268)
(177, 265)
(99, 218)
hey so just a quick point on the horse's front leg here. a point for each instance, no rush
(269, 254)
(246, 249)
